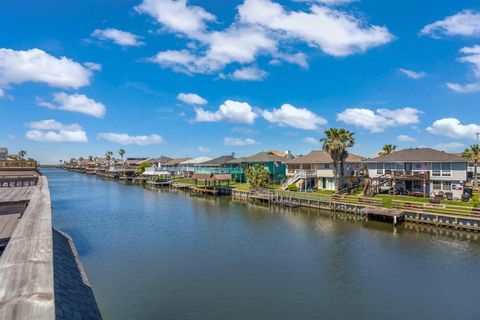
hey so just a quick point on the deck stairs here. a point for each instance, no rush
(299, 174)
(371, 188)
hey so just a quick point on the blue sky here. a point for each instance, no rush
(213, 77)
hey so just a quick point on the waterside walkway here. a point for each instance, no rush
(29, 286)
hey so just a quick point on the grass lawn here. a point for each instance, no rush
(241, 186)
(387, 200)
(327, 192)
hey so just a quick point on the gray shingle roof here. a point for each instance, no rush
(319, 156)
(418, 155)
(175, 162)
(219, 161)
(264, 156)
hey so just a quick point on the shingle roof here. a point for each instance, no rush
(418, 155)
(196, 160)
(219, 161)
(320, 156)
(175, 162)
(265, 156)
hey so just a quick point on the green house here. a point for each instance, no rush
(273, 161)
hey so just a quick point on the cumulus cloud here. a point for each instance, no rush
(233, 111)
(238, 142)
(249, 74)
(312, 141)
(379, 120)
(405, 138)
(300, 118)
(74, 103)
(453, 128)
(412, 74)
(261, 28)
(54, 131)
(191, 98)
(36, 65)
(472, 56)
(335, 32)
(465, 23)
(126, 139)
(122, 38)
(177, 15)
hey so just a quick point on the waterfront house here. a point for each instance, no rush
(419, 172)
(158, 162)
(315, 170)
(273, 161)
(17, 172)
(173, 166)
(3, 153)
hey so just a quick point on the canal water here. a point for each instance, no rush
(152, 254)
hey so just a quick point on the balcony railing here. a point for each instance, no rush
(18, 164)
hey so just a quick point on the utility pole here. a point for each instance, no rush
(478, 135)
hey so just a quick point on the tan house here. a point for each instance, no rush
(315, 170)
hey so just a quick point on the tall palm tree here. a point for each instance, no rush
(121, 152)
(473, 154)
(336, 142)
(22, 154)
(109, 155)
(387, 149)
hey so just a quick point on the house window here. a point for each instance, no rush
(436, 169)
(437, 185)
(446, 169)
(388, 168)
(447, 185)
(379, 168)
(417, 185)
(326, 166)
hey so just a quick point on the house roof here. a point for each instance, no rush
(418, 155)
(320, 156)
(196, 160)
(161, 159)
(218, 161)
(265, 156)
(175, 162)
(213, 176)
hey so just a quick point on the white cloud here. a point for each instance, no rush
(300, 118)
(249, 74)
(191, 98)
(464, 88)
(453, 128)
(380, 120)
(312, 141)
(126, 139)
(405, 138)
(238, 142)
(233, 111)
(337, 33)
(472, 56)
(75, 103)
(260, 28)
(449, 146)
(54, 131)
(93, 66)
(412, 74)
(122, 38)
(464, 23)
(203, 149)
(35, 65)
(334, 2)
(177, 15)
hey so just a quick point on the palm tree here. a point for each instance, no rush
(387, 149)
(473, 154)
(257, 176)
(22, 154)
(121, 152)
(336, 142)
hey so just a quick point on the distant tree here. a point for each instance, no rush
(141, 167)
(387, 149)
(473, 154)
(90, 158)
(22, 154)
(108, 155)
(80, 158)
(121, 152)
(257, 176)
(336, 142)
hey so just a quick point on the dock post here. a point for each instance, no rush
(394, 220)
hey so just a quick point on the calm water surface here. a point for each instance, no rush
(166, 255)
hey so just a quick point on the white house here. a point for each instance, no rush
(420, 171)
